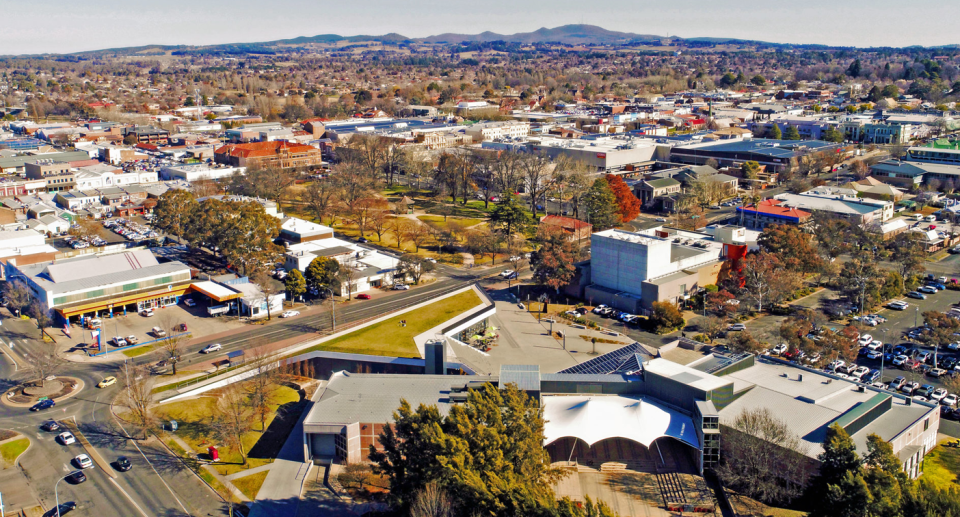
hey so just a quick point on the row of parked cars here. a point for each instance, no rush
(609, 312)
(130, 230)
(79, 243)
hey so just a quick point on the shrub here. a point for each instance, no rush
(702, 338)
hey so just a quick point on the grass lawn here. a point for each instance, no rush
(390, 339)
(140, 350)
(195, 415)
(941, 466)
(10, 451)
(251, 484)
(437, 221)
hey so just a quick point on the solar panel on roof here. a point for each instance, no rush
(626, 359)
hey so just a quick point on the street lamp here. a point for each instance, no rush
(883, 352)
(57, 494)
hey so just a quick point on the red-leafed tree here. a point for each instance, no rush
(553, 263)
(628, 206)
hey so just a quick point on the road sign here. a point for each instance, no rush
(41, 399)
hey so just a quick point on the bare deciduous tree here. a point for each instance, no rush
(261, 385)
(233, 417)
(418, 234)
(172, 345)
(17, 295)
(431, 501)
(43, 362)
(763, 458)
(137, 394)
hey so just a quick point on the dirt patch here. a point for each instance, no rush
(6, 434)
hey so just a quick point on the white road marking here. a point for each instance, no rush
(135, 444)
(134, 503)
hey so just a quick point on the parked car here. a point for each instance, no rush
(937, 372)
(363, 296)
(158, 332)
(938, 394)
(146, 313)
(874, 354)
(736, 327)
(401, 287)
(898, 305)
(897, 383)
(119, 341)
(872, 377)
(780, 349)
(599, 308)
(211, 348)
(132, 340)
(909, 387)
(189, 303)
(924, 391)
(899, 360)
(949, 400)
(919, 296)
(289, 314)
(928, 289)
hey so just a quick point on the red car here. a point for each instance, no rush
(363, 296)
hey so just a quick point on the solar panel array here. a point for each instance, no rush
(626, 359)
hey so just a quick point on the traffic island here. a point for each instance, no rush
(54, 388)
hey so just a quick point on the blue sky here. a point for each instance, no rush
(71, 25)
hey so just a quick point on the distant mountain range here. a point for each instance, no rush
(577, 34)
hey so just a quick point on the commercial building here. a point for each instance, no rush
(856, 210)
(197, 172)
(777, 155)
(56, 176)
(485, 131)
(602, 153)
(631, 270)
(629, 405)
(17, 164)
(91, 285)
(941, 151)
(279, 154)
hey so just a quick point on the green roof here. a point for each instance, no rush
(663, 183)
(864, 413)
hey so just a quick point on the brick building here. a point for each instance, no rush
(278, 154)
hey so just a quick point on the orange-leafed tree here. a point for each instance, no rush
(628, 206)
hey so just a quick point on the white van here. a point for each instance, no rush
(918, 217)
(930, 218)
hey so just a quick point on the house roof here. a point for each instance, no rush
(565, 222)
(260, 149)
(662, 183)
(773, 207)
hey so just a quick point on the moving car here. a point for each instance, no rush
(289, 314)
(211, 348)
(77, 477)
(898, 305)
(363, 296)
(158, 332)
(123, 464)
(66, 438)
(83, 461)
(919, 296)
(736, 327)
(51, 425)
(107, 381)
(43, 404)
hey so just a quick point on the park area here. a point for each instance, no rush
(390, 338)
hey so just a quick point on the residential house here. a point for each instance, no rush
(575, 229)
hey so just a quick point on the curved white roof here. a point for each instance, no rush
(596, 418)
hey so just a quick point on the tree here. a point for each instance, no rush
(322, 273)
(628, 206)
(262, 384)
(379, 221)
(347, 276)
(792, 246)
(744, 342)
(321, 197)
(720, 303)
(85, 228)
(765, 279)
(601, 205)
(763, 457)
(860, 169)
(553, 264)
(295, 284)
(418, 233)
(137, 394)
(939, 331)
(908, 252)
(233, 417)
(832, 135)
(175, 340)
(487, 454)
(268, 288)
(17, 295)
(666, 317)
(792, 133)
(535, 168)
(38, 311)
(711, 326)
(400, 227)
(431, 501)
(775, 132)
(508, 216)
(855, 69)
(482, 241)
(175, 208)
(750, 169)
(414, 266)
(42, 362)
(758, 80)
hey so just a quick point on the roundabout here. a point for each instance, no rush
(54, 388)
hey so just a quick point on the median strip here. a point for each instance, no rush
(94, 455)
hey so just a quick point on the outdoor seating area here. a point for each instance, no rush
(484, 341)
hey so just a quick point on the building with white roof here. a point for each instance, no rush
(196, 172)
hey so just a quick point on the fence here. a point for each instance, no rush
(128, 347)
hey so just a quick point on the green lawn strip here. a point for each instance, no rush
(437, 221)
(388, 338)
(138, 351)
(941, 466)
(194, 416)
(10, 451)
(251, 484)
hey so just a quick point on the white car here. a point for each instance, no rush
(598, 309)
(866, 339)
(949, 400)
(860, 372)
(938, 394)
(834, 365)
(736, 327)
(954, 346)
(927, 289)
(66, 438)
(146, 313)
(119, 341)
(401, 287)
(780, 349)
(899, 360)
(507, 272)
(211, 348)
(874, 354)
(289, 314)
(898, 305)
(875, 345)
(661, 220)
(83, 461)
(919, 398)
